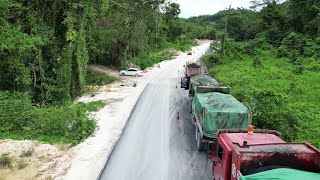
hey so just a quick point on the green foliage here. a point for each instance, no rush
(277, 74)
(280, 97)
(274, 21)
(27, 153)
(22, 164)
(165, 52)
(45, 47)
(211, 59)
(92, 106)
(147, 60)
(256, 62)
(98, 79)
(62, 124)
(5, 160)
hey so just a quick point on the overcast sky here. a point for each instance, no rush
(200, 7)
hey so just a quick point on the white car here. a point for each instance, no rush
(131, 72)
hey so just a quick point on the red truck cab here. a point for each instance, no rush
(237, 153)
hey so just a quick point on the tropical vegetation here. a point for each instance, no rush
(271, 59)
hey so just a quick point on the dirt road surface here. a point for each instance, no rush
(155, 144)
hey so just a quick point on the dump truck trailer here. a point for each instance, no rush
(261, 155)
(203, 84)
(213, 111)
(213, 108)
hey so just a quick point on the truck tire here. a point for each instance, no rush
(200, 143)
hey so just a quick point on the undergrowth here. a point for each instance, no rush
(98, 79)
(5, 161)
(92, 106)
(284, 95)
(165, 52)
(20, 119)
(27, 153)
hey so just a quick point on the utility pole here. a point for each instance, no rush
(225, 34)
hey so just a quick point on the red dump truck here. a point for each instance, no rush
(238, 154)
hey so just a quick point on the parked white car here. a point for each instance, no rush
(131, 72)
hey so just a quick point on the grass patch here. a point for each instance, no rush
(165, 52)
(27, 153)
(92, 106)
(22, 164)
(179, 47)
(98, 79)
(148, 60)
(5, 160)
(91, 90)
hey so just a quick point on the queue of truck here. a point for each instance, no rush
(235, 148)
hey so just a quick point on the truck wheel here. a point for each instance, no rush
(200, 143)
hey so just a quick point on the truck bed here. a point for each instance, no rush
(214, 111)
(256, 158)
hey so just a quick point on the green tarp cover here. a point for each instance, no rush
(204, 79)
(282, 174)
(221, 111)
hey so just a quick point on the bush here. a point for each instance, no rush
(267, 107)
(307, 125)
(92, 106)
(5, 160)
(148, 60)
(98, 79)
(292, 46)
(256, 62)
(63, 124)
(163, 52)
(27, 153)
(22, 164)
(250, 47)
(211, 59)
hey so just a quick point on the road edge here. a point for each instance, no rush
(122, 130)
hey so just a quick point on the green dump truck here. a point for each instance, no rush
(203, 84)
(213, 108)
(213, 111)
(201, 80)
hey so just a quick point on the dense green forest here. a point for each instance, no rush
(271, 59)
(45, 46)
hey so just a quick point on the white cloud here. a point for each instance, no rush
(201, 7)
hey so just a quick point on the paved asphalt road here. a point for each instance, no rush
(155, 144)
